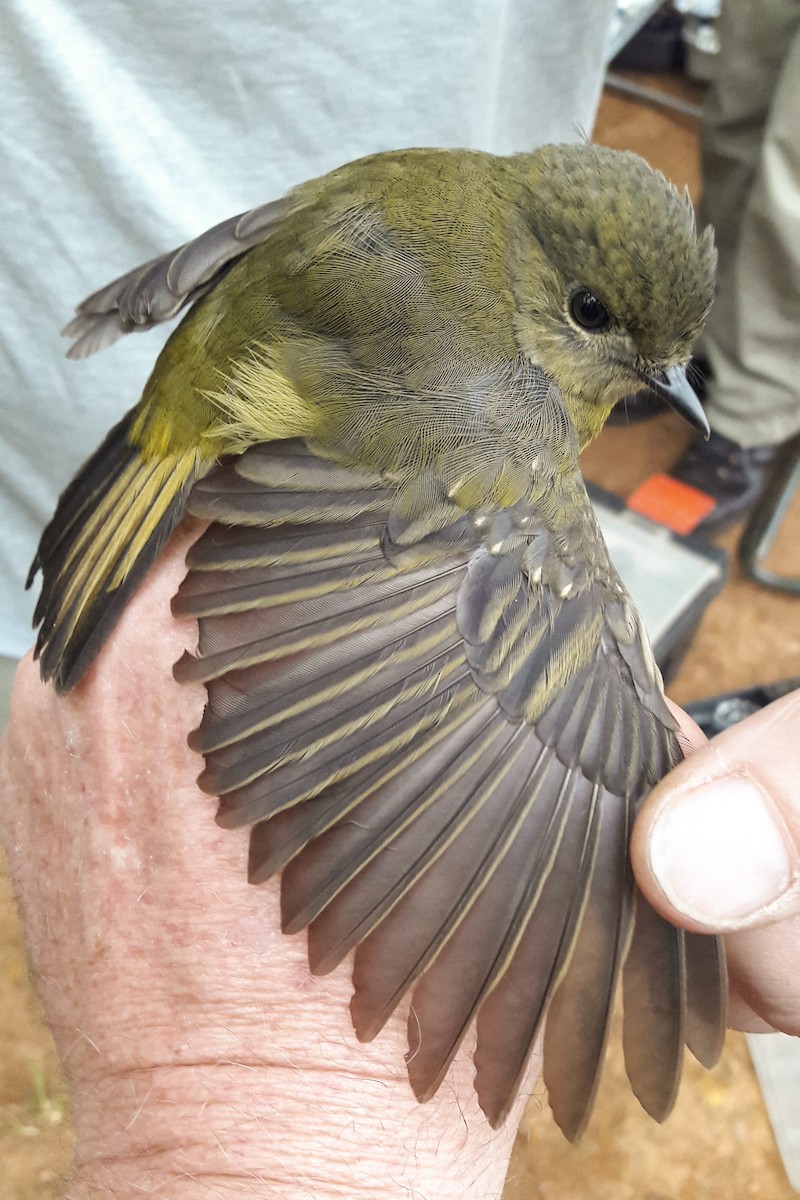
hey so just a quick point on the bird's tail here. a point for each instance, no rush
(110, 524)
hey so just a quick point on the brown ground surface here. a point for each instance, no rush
(718, 1141)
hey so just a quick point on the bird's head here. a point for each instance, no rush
(613, 282)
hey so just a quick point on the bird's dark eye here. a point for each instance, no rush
(587, 311)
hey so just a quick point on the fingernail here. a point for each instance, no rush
(719, 854)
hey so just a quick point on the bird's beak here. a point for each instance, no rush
(675, 390)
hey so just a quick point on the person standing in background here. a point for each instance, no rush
(751, 195)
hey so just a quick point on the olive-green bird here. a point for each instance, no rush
(429, 694)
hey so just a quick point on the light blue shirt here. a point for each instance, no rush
(127, 128)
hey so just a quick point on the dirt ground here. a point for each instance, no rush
(718, 1141)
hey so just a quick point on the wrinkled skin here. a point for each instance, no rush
(195, 1042)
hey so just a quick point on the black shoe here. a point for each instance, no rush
(734, 477)
(641, 406)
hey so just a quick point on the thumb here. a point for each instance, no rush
(717, 844)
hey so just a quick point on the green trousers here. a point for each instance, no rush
(751, 195)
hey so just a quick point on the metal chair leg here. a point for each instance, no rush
(766, 519)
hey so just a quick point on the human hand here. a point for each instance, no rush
(717, 847)
(200, 1054)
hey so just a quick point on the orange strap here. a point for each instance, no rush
(666, 500)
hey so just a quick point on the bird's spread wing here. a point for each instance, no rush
(440, 730)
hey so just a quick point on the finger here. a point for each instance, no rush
(717, 845)
(690, 735)
(743, 1017)
(764, 968)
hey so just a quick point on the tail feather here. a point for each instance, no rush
(110, 524)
